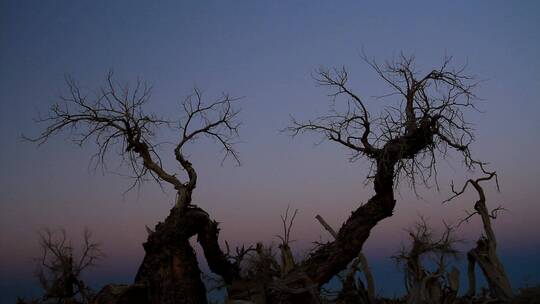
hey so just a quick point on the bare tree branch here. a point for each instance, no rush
(423, 285)
(403, 142)
(115, 116)
(435, 101)
(485, 252)
(58, 268)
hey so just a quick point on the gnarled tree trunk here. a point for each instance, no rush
(485, 252)
(493, 270)
(423, 285)
(170, 268)
(425, 123)
(333, 257)
(115, 116)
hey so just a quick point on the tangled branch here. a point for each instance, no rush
(435, 101)
(114, 116)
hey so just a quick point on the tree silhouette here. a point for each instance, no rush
(114, 116)
(403, 142)
(485, 252)
(59, 269)
(424, 285)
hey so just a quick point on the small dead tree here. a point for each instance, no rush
(287, 259)
(485, 252)
(263, 279)
(59, 269)
(405, 140)
(259, 269)
(422, 285)
(114, 117)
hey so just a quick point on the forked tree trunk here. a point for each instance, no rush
(485, 254)
(423, 287)
(171, 273)
(306, 279)
(170, 269)
(493, 270)
(170, 240)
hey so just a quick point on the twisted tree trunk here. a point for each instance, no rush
(333, 257)
(485, 252)
(493, 270)
(170, 269)
(171, 273)
(170, 240)
(327, 261)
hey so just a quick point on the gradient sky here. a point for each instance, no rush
(264, 51)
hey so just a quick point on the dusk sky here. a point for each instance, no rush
(264, 52)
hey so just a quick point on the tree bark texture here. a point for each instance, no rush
(170, 268)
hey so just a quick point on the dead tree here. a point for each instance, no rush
(260, 268)
(59, 270)
(485, 252)
(360, 263)
(404, 141)
(287, 259)
(114, 116)
(422, 285)
(264, 279)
